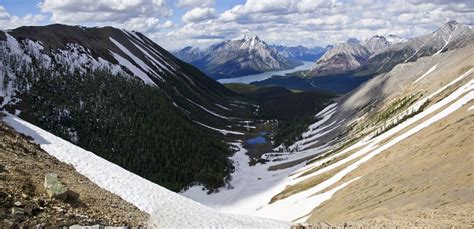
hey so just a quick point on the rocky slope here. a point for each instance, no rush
(342, 58)
(394, 152)
(25, 203)
(238, 57)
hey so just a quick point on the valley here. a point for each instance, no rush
(305, 125)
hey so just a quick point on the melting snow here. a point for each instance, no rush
(167, 209)
(224, 132)
(208, 111)
(137, 71)
(426, 73)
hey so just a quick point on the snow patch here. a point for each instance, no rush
(224, 132)
(167, 209)
(426, 73)
(137, 71)
(208, 111)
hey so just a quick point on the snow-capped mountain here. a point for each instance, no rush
(300, 52)
(382, 54)
(342, 58)
(376, 43)
(394, 39)
(237, 57)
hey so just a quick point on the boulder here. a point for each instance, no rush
(54, 187)
(298, 226)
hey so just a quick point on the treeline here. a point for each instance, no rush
(126, 122)
(293, 111)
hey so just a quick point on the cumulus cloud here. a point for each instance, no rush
(168, 24)
(78, 11)
(322, 22)
(195, 3)
(8, 21)
(199, 14)
(140, 15)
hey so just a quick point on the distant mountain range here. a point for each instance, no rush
(245, 56)
(300, 52)
(380, 54)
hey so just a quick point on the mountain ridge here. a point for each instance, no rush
(237, 57)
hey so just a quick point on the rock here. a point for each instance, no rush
(297, 226)
(54, 188)
(17, 211)
(7, 223)
(17, 203)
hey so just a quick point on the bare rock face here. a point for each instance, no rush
(344, 57)
(54, 188)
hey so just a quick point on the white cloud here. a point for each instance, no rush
(8, 21)
(320, 22)
(199, 14)
(80, 11)
(168, 24)
(139, 15)
(195, 3)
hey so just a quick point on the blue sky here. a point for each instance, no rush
(177, 23)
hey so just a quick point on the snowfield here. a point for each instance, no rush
(167, 209)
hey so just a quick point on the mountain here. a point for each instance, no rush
(383, 54)
(238, 57)
(399, 148)
(450, 36)
(342, 58)
(189, 54)
(396, 150)
(394, 39)
(376, 43)
(300, 52)
(121, 95)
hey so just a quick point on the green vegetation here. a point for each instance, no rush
(395, 107)
(124, 121)
(404, 118)
(293, 111)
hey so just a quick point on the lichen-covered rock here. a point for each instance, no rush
(54, 188)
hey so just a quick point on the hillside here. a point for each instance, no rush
(123, 97)
(167, 209)
(382, 154)
(391, 151)
(23, 168)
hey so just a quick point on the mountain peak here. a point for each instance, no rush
(248, 37)
(353, 40)
(394, 39)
